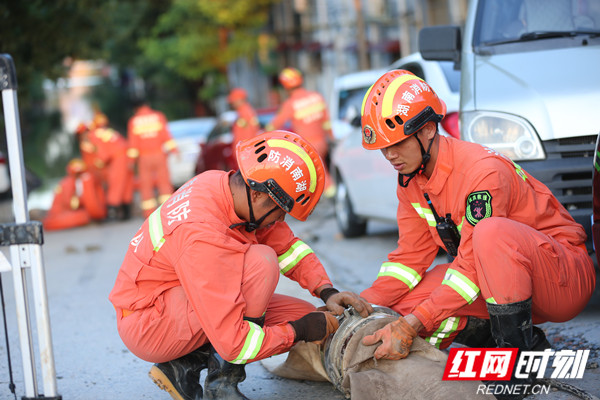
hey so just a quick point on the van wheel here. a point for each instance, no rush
(349, 224)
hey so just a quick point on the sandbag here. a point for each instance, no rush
(361, 377)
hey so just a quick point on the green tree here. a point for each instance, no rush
(198, 38)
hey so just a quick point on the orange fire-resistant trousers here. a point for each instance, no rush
(170, 328)
(514, 262)
(153, 171)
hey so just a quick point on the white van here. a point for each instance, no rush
(530, 87)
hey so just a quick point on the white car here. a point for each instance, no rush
(188, 134)
(366, 182)
(346, 99)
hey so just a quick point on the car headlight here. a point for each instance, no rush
(507, 134)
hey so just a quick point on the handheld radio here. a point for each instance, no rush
(447, 230)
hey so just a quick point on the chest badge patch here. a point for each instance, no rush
(479, 206)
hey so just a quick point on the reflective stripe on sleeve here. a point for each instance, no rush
(252, 344)
(463, 285)
(446, 328)
(156, 230)
(401, 272)
(290, 258)
(424, 213)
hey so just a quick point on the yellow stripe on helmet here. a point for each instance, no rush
(362, 108)
(300, 152)
(388, 97)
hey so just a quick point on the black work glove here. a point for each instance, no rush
(315, 326)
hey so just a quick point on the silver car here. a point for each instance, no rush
(188, 134)
(366, 183)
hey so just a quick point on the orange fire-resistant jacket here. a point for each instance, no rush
(309, 117)
(471, 182)
(188, 242)
(246, 126)
(148, 133)
(110, 156)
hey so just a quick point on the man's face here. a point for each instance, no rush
(264, 207)
(404, 156)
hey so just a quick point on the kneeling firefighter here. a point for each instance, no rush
(196, 288)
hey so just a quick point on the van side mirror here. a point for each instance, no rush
(441, 43)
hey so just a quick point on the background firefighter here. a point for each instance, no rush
(215, 249)
(149, 143)
(309, 117)
(246, 125)
(521, 257)
(78, 199)
(105, 152)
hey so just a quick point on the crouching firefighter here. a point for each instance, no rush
(196, 288)
(519, 257)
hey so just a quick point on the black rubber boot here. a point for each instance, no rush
(113, 213)
(478, 333)
(181, 377)
(125, 212)
(511, 326)
(223, 377)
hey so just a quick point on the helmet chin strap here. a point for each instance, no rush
(424, 155)
(252, 224)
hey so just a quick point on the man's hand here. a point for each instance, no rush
(396, 337)
(315, 326)
(338, 301)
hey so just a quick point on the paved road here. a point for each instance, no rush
(93, 364)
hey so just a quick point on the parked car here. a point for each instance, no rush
(188, 134)
(217, 152)
(346, 99)
(365, 181)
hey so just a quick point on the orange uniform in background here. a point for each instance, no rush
(149, 143)
(110, 156)
(187, 259)
(78, 199)
(517, 242)
(307, 112)
(246, 125)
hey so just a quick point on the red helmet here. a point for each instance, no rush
(81, 128)
(237, 94)
(286, 167)
(76, 166)
(396, 107)
(290, 78)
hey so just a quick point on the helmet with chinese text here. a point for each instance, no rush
(397, 106)
(286, 167)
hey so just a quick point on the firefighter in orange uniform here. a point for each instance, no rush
(246, 126)
(78, 199)
(105, 151)
(149, 143)
(196, 288)
(520, 259)
(309, 117)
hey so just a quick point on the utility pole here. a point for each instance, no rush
(361, 40)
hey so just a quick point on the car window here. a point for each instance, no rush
(350, 102)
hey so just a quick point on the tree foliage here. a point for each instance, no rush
(198, 38)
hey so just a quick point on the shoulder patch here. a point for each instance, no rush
(479, 206)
